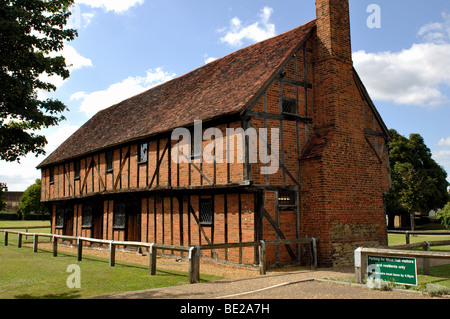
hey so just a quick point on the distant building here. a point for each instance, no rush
(12, 201)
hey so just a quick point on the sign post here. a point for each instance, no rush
(398, 270)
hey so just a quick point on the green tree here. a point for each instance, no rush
(31, 31)
(30, 202)
(444, 216)
(419, 183)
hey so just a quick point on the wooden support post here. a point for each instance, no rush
(262, 258)
(407, 237)
(19, 237)
(79, 249)
(426, 261)
(35, 243)
(6, 238)
(194, 264)
(152, 261)
(55, 246)
(112, 254)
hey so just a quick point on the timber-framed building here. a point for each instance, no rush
(116, 177)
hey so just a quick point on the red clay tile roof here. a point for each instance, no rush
(222, 87)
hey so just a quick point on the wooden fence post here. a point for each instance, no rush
(55, 246)
(35, 243)
(262, 258)
(194, 264)
(426, 261)
(19, 238)
(112, 254)
(6, 238)
(79, 249)
(314, 253)
(152, 260)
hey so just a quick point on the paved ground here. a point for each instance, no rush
(305, 284)
(245, 283)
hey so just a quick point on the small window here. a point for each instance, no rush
(86, 220)
(109, 161)
(119, 215)
(76, 168)
(59, 218)
(143, 153)
(286, 198)
(52, 175)
(206, 210)
(289, 106)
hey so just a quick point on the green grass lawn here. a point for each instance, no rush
(24, 274)
(399, 239)
(24, 223)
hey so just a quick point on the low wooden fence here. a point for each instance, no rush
(408, 233)
(194, 252)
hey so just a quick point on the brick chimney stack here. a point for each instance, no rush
(334, 66)
(333, 29)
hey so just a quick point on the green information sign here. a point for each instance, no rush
(395, 269)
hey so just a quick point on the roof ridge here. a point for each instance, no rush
(222, 87)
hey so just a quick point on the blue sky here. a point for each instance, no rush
(127, 46)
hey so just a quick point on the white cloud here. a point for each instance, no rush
(118, 6)
(74, 61)
(443, 158)
(93, 102)
(19, 176)
(415, 76)
(444, 142)
(236, 33)
(436, 32)
(442, 155)
(210, 59)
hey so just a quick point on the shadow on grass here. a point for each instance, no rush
(66, 295)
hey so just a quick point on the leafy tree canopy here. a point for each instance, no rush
(30, 202)
(444, 216)
(419, 183)
(31, 31)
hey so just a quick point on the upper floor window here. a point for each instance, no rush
(289, 105)
(76, 169)
(143, 153)
(109, 161)
(52, 175)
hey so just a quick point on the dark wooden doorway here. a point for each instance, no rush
(127, 217)
(97, 221)
(68, 222)
(133, 223)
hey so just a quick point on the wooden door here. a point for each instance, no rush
(68, 222)
(133, 228)
(97, 221)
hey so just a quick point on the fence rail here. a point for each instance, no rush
(407, 233)
(194, 251)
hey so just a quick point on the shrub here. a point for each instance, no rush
(444, 216)
(435, 290)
